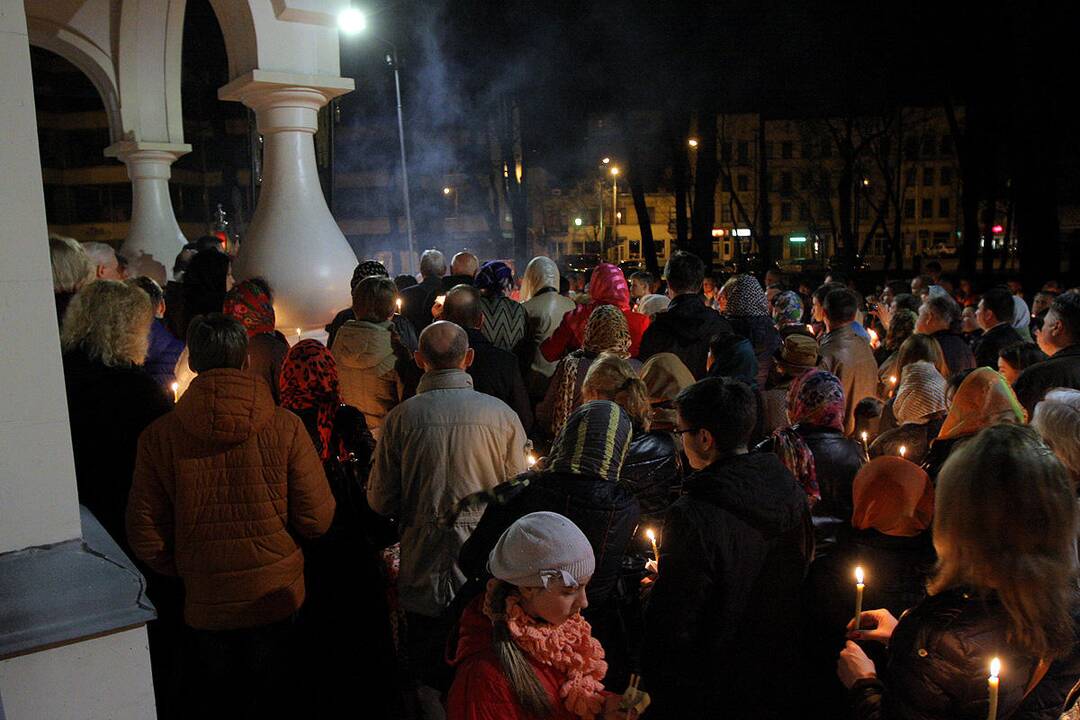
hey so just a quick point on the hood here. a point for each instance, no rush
(540, 273)
(474, 632)
(608, 287)
(225, 406)
(756, 487)
(362, 345)
(737, 360)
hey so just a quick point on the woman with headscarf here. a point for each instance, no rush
(744, 304)
(890, 539)
(919, 408)
(917, 347)
(581, 481)
(901, 327)
(606, 287)
(814, 449)
(402, 325)
(606, 331)
(252, 303)
(544, 309)
(787, 314)
(665, 375)
(984, 399)
(505, 320)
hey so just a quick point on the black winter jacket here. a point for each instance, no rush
(652, 471)
(762, 333)
(938, 662)
(719, 622)
(495, 372)
(605, 511)
(988, 345)
(1062, 369)
(684, 328)
(957, 352)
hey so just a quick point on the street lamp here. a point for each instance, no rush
(447, 191)
(351, 22)
(577, 222)
(692, 142)
(614, 199)
(606, 160)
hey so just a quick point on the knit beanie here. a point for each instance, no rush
(367, 269)
(921, 393)
(539, 547)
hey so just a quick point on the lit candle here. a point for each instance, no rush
(859, 587)
(995, 668)
(530, 459)
(892, 379)
(903, 451)
(810, 329)
(652, 538)
(175, 392)
(398, 303)
(865, 443)
(873, 337)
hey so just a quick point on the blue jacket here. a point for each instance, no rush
(164, 351)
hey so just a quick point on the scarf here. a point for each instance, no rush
(608, 287)
(569, 649)
(893, 496)
(606, 331)
(920, 395)
(815, 398)
(743, 296)
(495, 278)
(249, 303)
(665, 375)
(309, 379)
(983, 399)
(593, 441)
(787, 308)
(541, 273)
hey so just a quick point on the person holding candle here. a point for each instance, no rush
(724, 607)
(920, 408)
(404, 327)
(1004, 586)
(915, 348)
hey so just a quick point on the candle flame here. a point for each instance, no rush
(531, 459)
(873, 337)
(903, 451)
(398, 303)
(865, 435)
(299, 331)
(175, 387)
(995, 667)
(651, 535)
(810, 329)
(892, 379)
(859, 575)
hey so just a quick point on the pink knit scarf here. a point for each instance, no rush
(569, 648)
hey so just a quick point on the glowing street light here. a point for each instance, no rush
(866, 182)
(446, 191)
(351, 21)
(577, 222)
(614, 170)
(606, 160)
(692, 142)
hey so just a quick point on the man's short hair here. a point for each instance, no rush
(1066, 307)
(907, 301)
(464, 263)
(150, 287)
(684, 272)
(841, 306)
(644, 276)
(373, 299)
(823, 290)
(432, 264)
(216, 341)
(724, 407)
(944, 308)
(463, 307)
(1000, 302)
(443, 348)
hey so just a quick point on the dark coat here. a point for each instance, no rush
(652, 470)
(605, 511)
(405, 330)
(937, 667)
(762, 333)
(685, 329)
(915, 438)
(993, 340)
(724, 608)
(108, 409)
(162, 354)
(496, 372)
(450, 282)
(1060, 370)
(937, 455)
(417, 300)
(957, 353)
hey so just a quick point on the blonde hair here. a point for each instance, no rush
(71, 268)
(610, 377)
(530, 694)
(1005, 521)
(1057, 418)
(110, 322)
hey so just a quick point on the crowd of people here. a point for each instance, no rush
(554, 495)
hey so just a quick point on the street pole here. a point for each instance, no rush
(600, 196)
(404, 166)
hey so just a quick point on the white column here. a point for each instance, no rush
(154, 238)
(293, 240)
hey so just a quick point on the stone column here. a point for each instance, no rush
(293, 240)
(154, 238)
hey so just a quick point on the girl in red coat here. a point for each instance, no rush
(524, 651)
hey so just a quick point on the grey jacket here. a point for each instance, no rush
(365, 360)
(446, 443)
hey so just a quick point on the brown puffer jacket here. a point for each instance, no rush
(221, 485)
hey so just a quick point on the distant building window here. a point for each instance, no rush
(744, 152)
(725, 213)
(945, 176)
(909, 208)
(944, 208)
(768, 179)
(826, 181)
(928, 146)
(928, 176)
(743, 183)
(786, 150)
(786, 182)
(635, 249)
(911, 149)
(946, 145)
(804, 212)
(807, 180)
(808, 149)
(725, 183)
(725, 151)
(769, 150)
(909, 177)
(927, 208)
(785, 211)
(826, 149)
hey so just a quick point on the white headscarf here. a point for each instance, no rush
(541, 272)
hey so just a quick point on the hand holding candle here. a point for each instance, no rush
(651, 534)
(398, 304)
(175, 392)
(859, 587)
(903, 451)
(995, 669)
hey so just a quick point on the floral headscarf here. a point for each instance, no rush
(495, 278)
(606, 331)
(309, 379)
(893, 496)
(743, 296)
(249, 303)
(983, 399)
(787, 308)
(815, 398)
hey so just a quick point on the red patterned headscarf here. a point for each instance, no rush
(249, 303)
(309, 379)
(815, 399)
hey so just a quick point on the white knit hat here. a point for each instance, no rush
(540, 546)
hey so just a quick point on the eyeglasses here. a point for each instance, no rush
(681, 432)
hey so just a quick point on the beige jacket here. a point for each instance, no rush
(368, 380)
(438, 447)
(848, 356)
(544, 310)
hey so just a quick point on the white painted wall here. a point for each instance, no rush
(107, 678)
